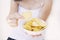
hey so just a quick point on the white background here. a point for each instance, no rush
(53, 31)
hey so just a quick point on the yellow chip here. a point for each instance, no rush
(27, 27)
(36, 29)
(34, 24)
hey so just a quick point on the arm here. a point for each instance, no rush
(13, 7)
(13, 15)
(46, 9)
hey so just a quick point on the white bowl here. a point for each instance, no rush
(33, 32)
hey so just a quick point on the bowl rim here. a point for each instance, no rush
(39, 30)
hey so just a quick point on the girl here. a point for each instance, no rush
(38, 8)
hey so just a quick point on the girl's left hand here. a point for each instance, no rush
(12, 19)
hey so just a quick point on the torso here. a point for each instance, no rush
(32, 4)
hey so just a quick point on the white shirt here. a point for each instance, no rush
(35, 12)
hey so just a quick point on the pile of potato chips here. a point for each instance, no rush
(34, 25)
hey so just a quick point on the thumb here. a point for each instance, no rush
(18, 16)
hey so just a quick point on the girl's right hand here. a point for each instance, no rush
(12, 19)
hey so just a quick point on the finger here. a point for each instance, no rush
(33, 35)
(18, 16)
(37, 35)
(11, 20)
(21, 17)
(12, 24)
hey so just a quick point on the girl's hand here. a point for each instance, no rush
(13, 19)
(37, 35)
